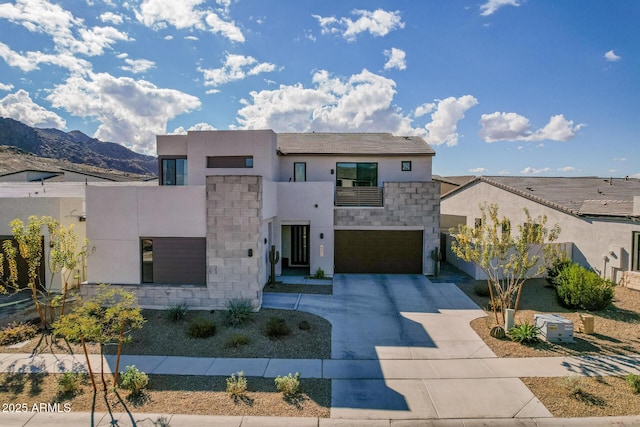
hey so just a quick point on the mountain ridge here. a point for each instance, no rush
(74, 147)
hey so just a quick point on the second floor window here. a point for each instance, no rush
(299, 171)
(174, 172)
(357, 174)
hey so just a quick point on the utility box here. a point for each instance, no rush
(554, 328)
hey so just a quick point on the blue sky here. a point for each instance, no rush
(517, 87)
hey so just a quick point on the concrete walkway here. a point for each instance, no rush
(403, 354)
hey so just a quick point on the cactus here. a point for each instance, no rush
(274, 257)
(436, 256)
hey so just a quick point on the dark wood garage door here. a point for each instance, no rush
(370, 251)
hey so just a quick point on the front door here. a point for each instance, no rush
(299, 245)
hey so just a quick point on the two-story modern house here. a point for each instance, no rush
(340, 202)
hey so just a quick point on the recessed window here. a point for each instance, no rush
(299, 171)
(174, 171)
(635, 260)
(406, 165)
(218, 162)
(147, 260)
(357, 174)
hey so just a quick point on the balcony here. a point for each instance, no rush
(359, 196)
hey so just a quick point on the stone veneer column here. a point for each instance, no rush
(234, 212)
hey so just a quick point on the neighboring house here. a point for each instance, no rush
(600, 217)
(70, 175)
(62, 201)
(342, 203)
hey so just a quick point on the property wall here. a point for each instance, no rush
(407, 205)
(27, 176)
(389, 167)
(301, 203)
(119, 215)
(592, 238)
(234, 227)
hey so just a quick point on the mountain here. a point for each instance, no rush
(75, 147)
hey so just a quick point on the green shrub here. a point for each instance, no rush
(201, 328)
(237, 340)
(578, 287)
(17, 332)
(133, 380)
(304, 325)
(289, 386)
(277, 327)
(237, 385)
(319, 274)
(634, 381)
(524, 333)
(68, 383)
(239, 311)
(481, 290)
(176, 312)
(557, 265)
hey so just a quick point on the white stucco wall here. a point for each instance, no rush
(117, 216)
(592, 238)
(389, 167)
(301, 203)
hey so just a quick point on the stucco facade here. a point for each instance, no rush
(238, 191)
(603, 243)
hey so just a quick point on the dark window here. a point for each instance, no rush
(174, 172)
(218, 162)
(299, 171)
(406, 165)
(357, 174)
(635, 264)
(147, 260)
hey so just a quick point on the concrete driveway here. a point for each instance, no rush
(400, 346)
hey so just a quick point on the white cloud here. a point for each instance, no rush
(567, 169)
(491, 6)
(198, 126)
(168, 37)
(137, 66)
(443, 128)
(236, 67)
(112, 18)
(6, 87)
(533, 171)
(130, 112)
(424, 109)
(192, 38)
(31, 60)
(378, 23)
(611, 56)
(478, 170)
(514, 127)
(185, 14)
(19, 106)
(396, 58)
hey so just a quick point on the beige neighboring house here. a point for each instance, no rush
(599, 217)
(338, 202)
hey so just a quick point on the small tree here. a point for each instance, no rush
(504, 257)
(108, 317)
(65, 255)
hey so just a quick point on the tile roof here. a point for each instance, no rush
(581, 196)
(352, 144)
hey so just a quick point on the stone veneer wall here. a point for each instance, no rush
(406, 204)
(234, 218)
(161, 296)
(630, 279)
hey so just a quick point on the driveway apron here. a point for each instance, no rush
(385, 331)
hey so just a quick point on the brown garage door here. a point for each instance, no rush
(368, 251)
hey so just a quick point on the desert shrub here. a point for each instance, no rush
(237, 340)
(277, 327)
(304, 325)
(634, 381)
(17, 332)
(237, 385)
(524, 333)
(481, 290)
(133, 380)
(177, 312)
(578, 287)
(239, 311)
(319, 274)
(557, 265)
(574, 384)
(289, 386)
(201, 328)
(69, 383)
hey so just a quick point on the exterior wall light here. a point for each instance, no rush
(322, 235)
(250, 253)
(332, 172)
